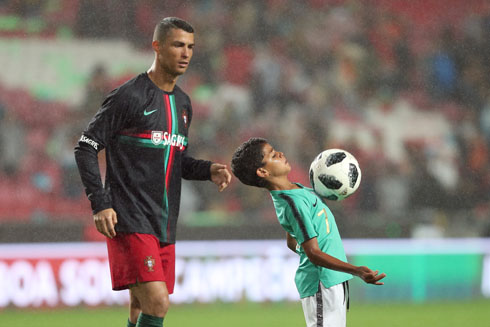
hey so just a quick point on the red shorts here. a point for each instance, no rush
(135, 258)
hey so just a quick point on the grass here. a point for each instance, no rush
(434, 314)
(471, 313)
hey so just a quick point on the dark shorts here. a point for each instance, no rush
(136, 258)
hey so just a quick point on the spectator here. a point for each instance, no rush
(12, 144)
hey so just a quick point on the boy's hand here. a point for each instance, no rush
(369, 276)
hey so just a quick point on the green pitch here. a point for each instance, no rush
(474, 313)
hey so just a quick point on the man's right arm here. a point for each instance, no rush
(109, 120)
(105, 217)
(88, 166)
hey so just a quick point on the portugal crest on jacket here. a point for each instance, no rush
(156, 137)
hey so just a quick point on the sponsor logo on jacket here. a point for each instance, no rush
(89, 141)
(159, 137)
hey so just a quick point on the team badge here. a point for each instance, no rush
(150, 263)
(156, 137)
(185, 118)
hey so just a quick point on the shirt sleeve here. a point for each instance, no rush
(110, 119)
(299, 216)
(195, 169)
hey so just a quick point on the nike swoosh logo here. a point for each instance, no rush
(316, 201)
(146, 113)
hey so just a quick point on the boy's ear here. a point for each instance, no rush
(262, 172)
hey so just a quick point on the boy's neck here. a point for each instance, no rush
(282, 185)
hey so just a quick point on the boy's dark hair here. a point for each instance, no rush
(168, 23)
(247, 159)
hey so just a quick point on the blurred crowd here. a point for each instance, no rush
(405, 89)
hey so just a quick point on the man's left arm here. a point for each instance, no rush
(195, 169)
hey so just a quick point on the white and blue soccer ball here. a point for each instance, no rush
(335, 174)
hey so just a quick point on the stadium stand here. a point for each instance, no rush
(403, 85)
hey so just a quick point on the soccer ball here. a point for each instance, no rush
(335, 174)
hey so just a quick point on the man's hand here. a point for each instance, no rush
(220, 176)
(105, 220)
(369, 276)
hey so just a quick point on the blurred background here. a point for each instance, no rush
(403, 85)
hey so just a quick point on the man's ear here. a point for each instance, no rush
(262, 172)
(155, 45)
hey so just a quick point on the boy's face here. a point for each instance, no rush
(275, 163)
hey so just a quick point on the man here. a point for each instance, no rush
(323, 273)
(143, 125)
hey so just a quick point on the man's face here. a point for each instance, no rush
(274, 161)
(175, 53)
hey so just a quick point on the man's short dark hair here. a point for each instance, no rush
(168, 23)
(247, 159)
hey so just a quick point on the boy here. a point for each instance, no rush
(323, 273)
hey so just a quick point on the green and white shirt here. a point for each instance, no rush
(303, 215)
